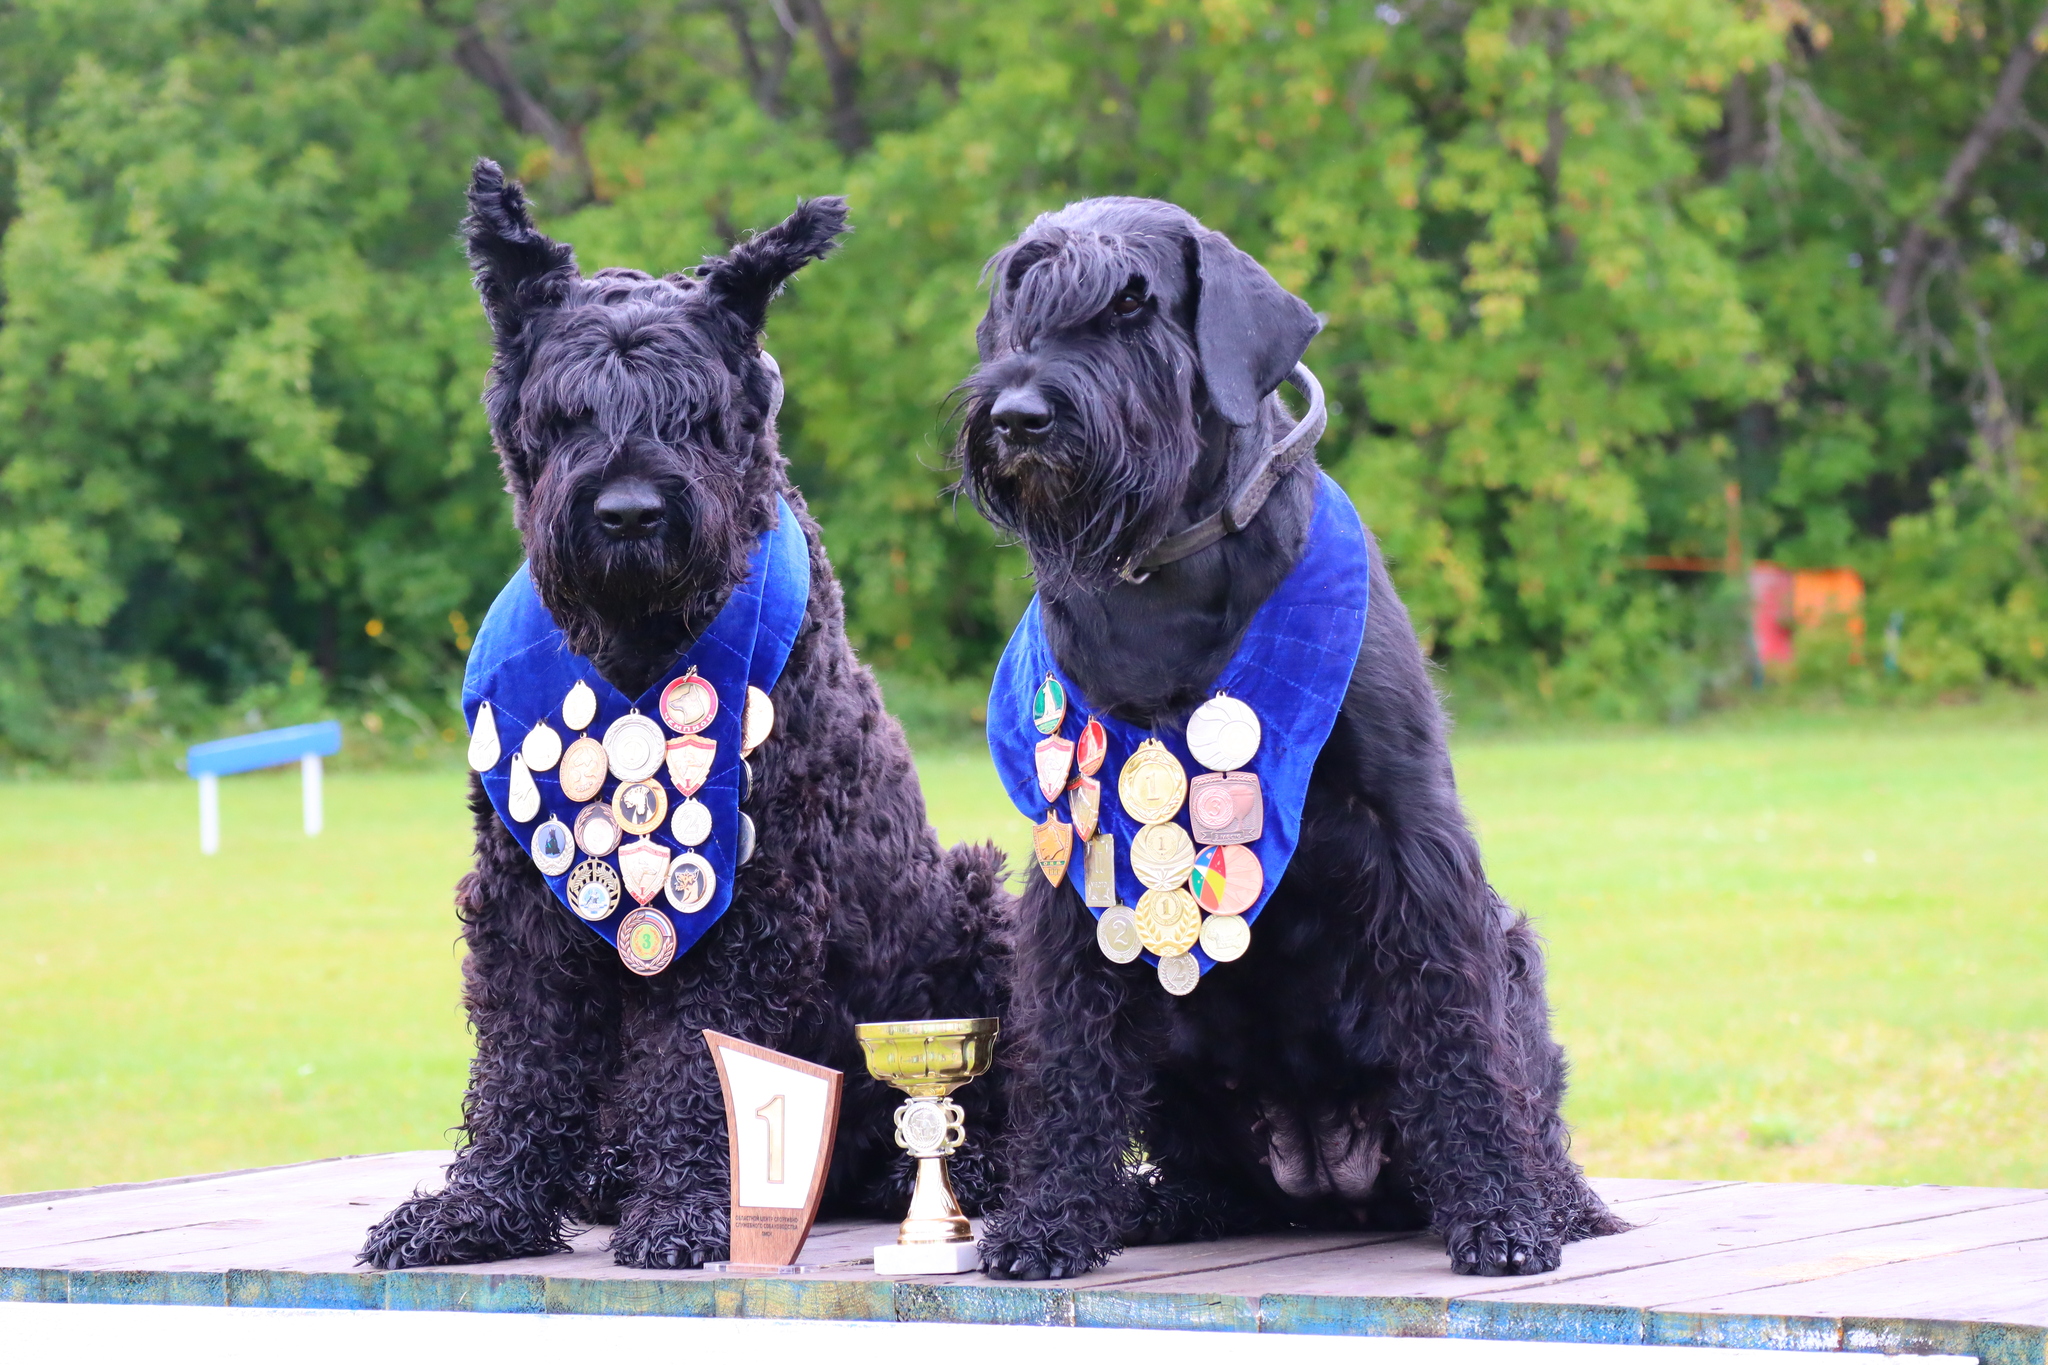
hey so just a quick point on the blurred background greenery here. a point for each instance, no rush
(1584, 265)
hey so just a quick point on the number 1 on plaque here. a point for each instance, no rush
(771, 1114)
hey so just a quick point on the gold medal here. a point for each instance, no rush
(1225, 937)
(640, 806)
(1162, 856)
(690, 883)
(689, 762)
(1179, 973)
(1227, 879)
(635, 747)
(1055, 760)
(688, 704)
(522, 797)
(542, 747)
(758, 722)
(597, 829)
(554, 848)
(1098, 861)
(579, 707)
(692, 823)
(1091, 748)
(643, 867)
(1152, 784)
(647, 941)
(1048, 706)
(1225, 808)
(1168, 921)
(593, 890)
(1084, 803)
(583, 769)
(483, 740)
(1053, 843)
(1223, 734)
(1116, 933)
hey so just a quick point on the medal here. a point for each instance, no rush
(640, 806)
(522, 801)
(1225, 937)
(1098, 861)
(690, 883)
(758, 722)
(692, 823)
(1168, 922)
(1084, 804)
(1225, 808)
(541, 748)
(583, 768)
(593, 890)
(635, 746)
(746, 780)
(483, 740)
(1152, 784)
(1053, 843)
(579, 707)
(1055, 761)
(1227, 880)
(689, 762)
(643, 867)
(1162, 856)
(746, 853)
(597, 829)
(687, 704)
(1223, 734)
(1049, 706)
(554, 848)
(1179, 973)
(1091, 748)
(1116, 933)
(647, 941)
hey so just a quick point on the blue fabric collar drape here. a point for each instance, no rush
(1293, 668)
(523, 666)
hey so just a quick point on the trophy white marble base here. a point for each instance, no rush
(927, 1258)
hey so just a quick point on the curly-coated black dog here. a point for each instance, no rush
(1381, 1057)
(635, 420)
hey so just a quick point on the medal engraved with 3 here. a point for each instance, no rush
(1152, 785)
(1226, 808)
(647, 941)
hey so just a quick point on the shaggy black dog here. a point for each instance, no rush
(1381, 1057)
(634, 417)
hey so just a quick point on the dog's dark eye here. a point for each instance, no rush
(1127, 302)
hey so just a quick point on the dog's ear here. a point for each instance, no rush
(752, 273)
(1249, 332)
(519, 269)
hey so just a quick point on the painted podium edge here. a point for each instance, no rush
(878, 1300)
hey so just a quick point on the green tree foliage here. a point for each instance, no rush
(1583, 266)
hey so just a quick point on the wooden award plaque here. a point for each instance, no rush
(780, 1116)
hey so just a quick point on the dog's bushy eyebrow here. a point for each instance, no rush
(1059, 280)
(632, 369)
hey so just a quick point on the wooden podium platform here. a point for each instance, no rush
(1899, 1270)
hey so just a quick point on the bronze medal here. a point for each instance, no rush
(1168, 921)
(690, 883)
(597, 829)
(483, 740)
(583, 769)
(1227, 879)
(1162, 856)
(643, 867)
(1098, 862)
(1048, 706)
(579, 707)
(640, 806)
(1116, 933)
(688, 703)
(647, 941)
(1091, 748)
(593, 890)
(1225, 937)
(542, 747)
(1224, 733)
(692, 823)
(1084, 803)
(634, 746)
(554, 848)
(1225, 808)
(1152, 784)
(522, 797)
(1179, 973)
(1053, 843)
(746, 850)
(689, 761)
(757, 723)
(1055, 761)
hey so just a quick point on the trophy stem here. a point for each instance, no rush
(935, 1215)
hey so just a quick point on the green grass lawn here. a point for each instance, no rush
(1781, 948)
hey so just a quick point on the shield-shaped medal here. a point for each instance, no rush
(1055, 761)
(643, 866)
(689, 762)
(1084, 803)
(1053, 843)
(1092, 747)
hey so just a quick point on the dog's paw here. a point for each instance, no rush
(1011, 1252)
(670, 1234)
(460, 1229)
(1502, 1246)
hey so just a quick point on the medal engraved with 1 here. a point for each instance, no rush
(692, 823)
(1152, 784)
(1084, 803)
(1225, 808)
(688, 704)
(1099, 871)
(1227, 879)
(1225, 937)
(1162, 856)
(690, 883)
(597, 829)
(758, 722)
(522, 801)
(1179, 973)
(1049, 706)
(593, 890)
(554, 848)
(1224, 733)
(1053, 843)
(1168, 921)
(647, 941)
(1116, 933)
(643, 867)
(640, 806)
(1091, 748)
(579, 707)
(542, 747)
(584, 766)
(1055, 761)
(746, 853)
(635, 746)
(689, 762)
(483, 740)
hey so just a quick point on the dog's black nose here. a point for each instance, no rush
(1021, 415)
(629, 508)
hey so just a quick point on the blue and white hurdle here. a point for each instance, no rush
(305, 744)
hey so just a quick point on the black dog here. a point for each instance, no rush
(1381, 1057)
(634, 419)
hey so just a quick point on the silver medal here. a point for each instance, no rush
(691, 824)
(554, 848)
(1223, 734)
(579, 708)
(635, 747)
(542, 747)
(1116, 933)
(522, 802)
(690, 883)
(746, 854)
(483, 740)
(1179, 973)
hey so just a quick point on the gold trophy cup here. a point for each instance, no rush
(928, 1059)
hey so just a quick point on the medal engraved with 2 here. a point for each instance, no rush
(1179, 973)
(1116, 934)
(692, 823)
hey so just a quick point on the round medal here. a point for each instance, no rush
(522, 798)
(1225, 937)
(1168, 921)
(1152, 784)
(554, 848)
(692, 823)
(593, 890)
(597, 829)
(1227, 880)
(746, 853)
(746, 780)
(1223, 734)
(690, 883)
(688, 703)
(583, 768)
(647, 941)
(1116, 933)
(579, 707)
(1049, 706)
(635, 747)
(1091, 748)
(1162, 856)
(758, 723)
(542, 747)
(483, 740)
(640, 806)
(1179, 973)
